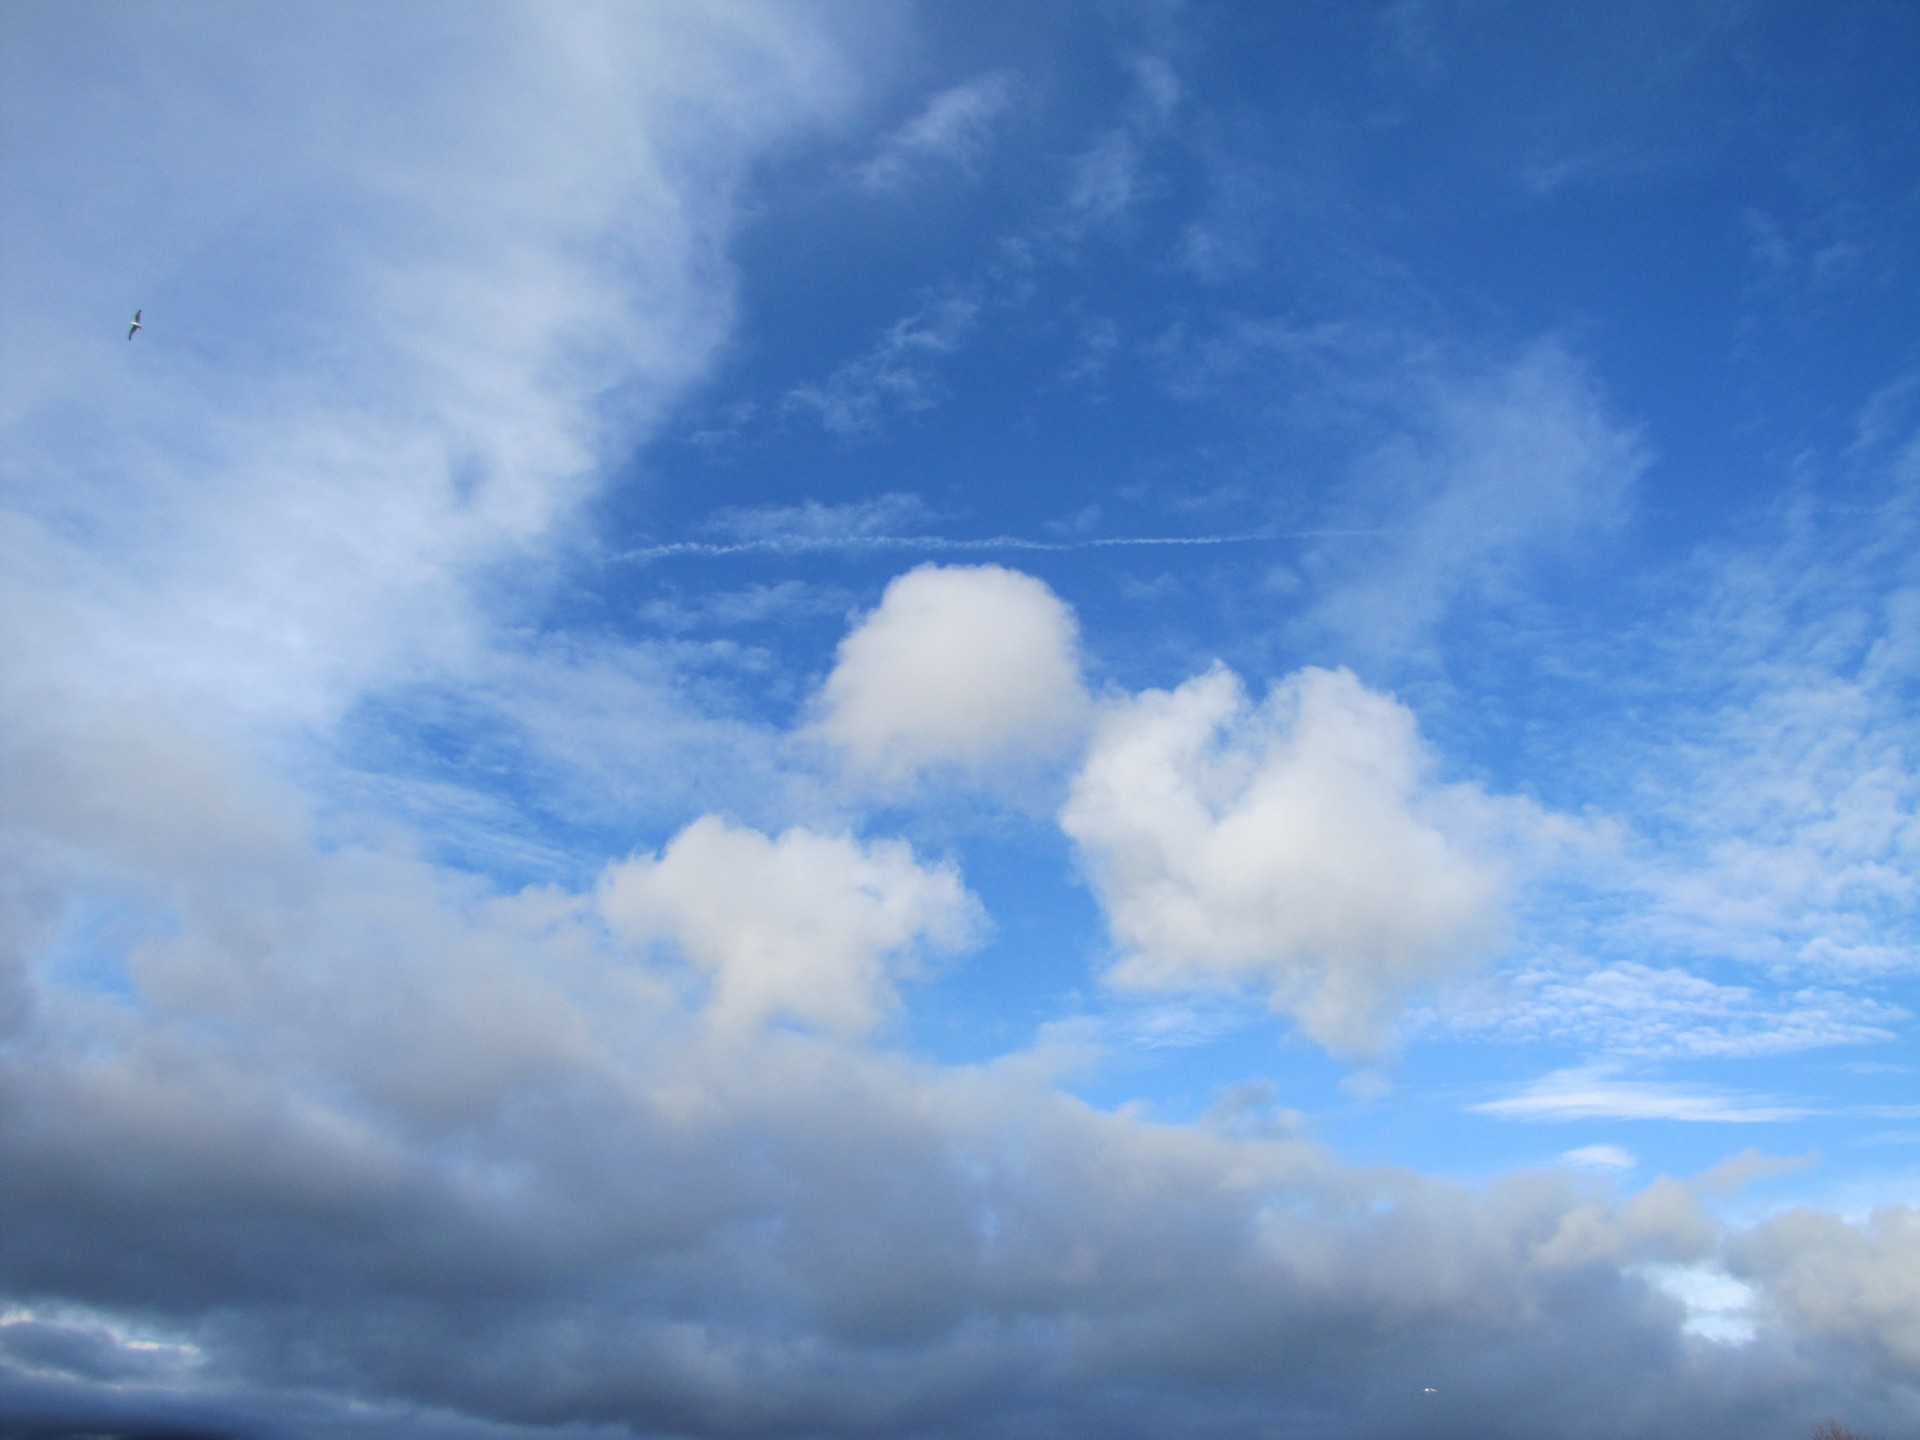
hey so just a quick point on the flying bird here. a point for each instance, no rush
(134, 325)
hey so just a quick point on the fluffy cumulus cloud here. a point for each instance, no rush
(1296, 844)
(801, 926)
(963, 668)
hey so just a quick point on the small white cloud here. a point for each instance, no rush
(1599, 1157)
(1295, 845)
(1592, 1093)
(952, 129)
(970, 668)
(804, 926)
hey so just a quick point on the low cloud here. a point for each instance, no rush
(970, 669)
(1855, 1282)
(1297, 845)
(804, 926)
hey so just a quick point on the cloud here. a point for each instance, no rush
(1297, 845)
(814, 522)
(1106, 183)
(1630, 1008)
(802, 927)
(1600, 1157)
(1858, 1283)
(951, 130)
(966, 668)
(1488, 474)
(385, 311)
(1592, 1093)
(367, 1146)
(895, 375)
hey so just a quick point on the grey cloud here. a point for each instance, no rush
(655, 1229)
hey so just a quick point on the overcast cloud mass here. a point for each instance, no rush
(1042, 721)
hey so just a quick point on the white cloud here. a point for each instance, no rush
(952, 130)
(1599, 1157)
(806, 927)
(1630, 1008)
(1298, 845)
(382, 309)
(969, 668)
(1592, 1093)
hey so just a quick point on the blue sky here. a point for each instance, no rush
(949, 720)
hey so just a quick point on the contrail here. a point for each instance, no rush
(809, 544)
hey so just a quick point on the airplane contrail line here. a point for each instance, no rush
(813, 544)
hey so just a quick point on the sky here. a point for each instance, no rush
(959, 720)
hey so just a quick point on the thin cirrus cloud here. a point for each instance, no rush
(951, 130)
(1596, 1093)
(897, 375)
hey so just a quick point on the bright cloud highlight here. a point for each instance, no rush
(1297, 845)
(963, 668)
(801, 926)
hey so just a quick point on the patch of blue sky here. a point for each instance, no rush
(93, 942)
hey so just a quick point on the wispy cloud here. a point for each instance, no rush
(1599, 1157)
(1630, 1008)
(801, 544)
(897, 374)
(952, 130)
(1593, 1093)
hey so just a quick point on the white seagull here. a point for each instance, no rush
(134, 325)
